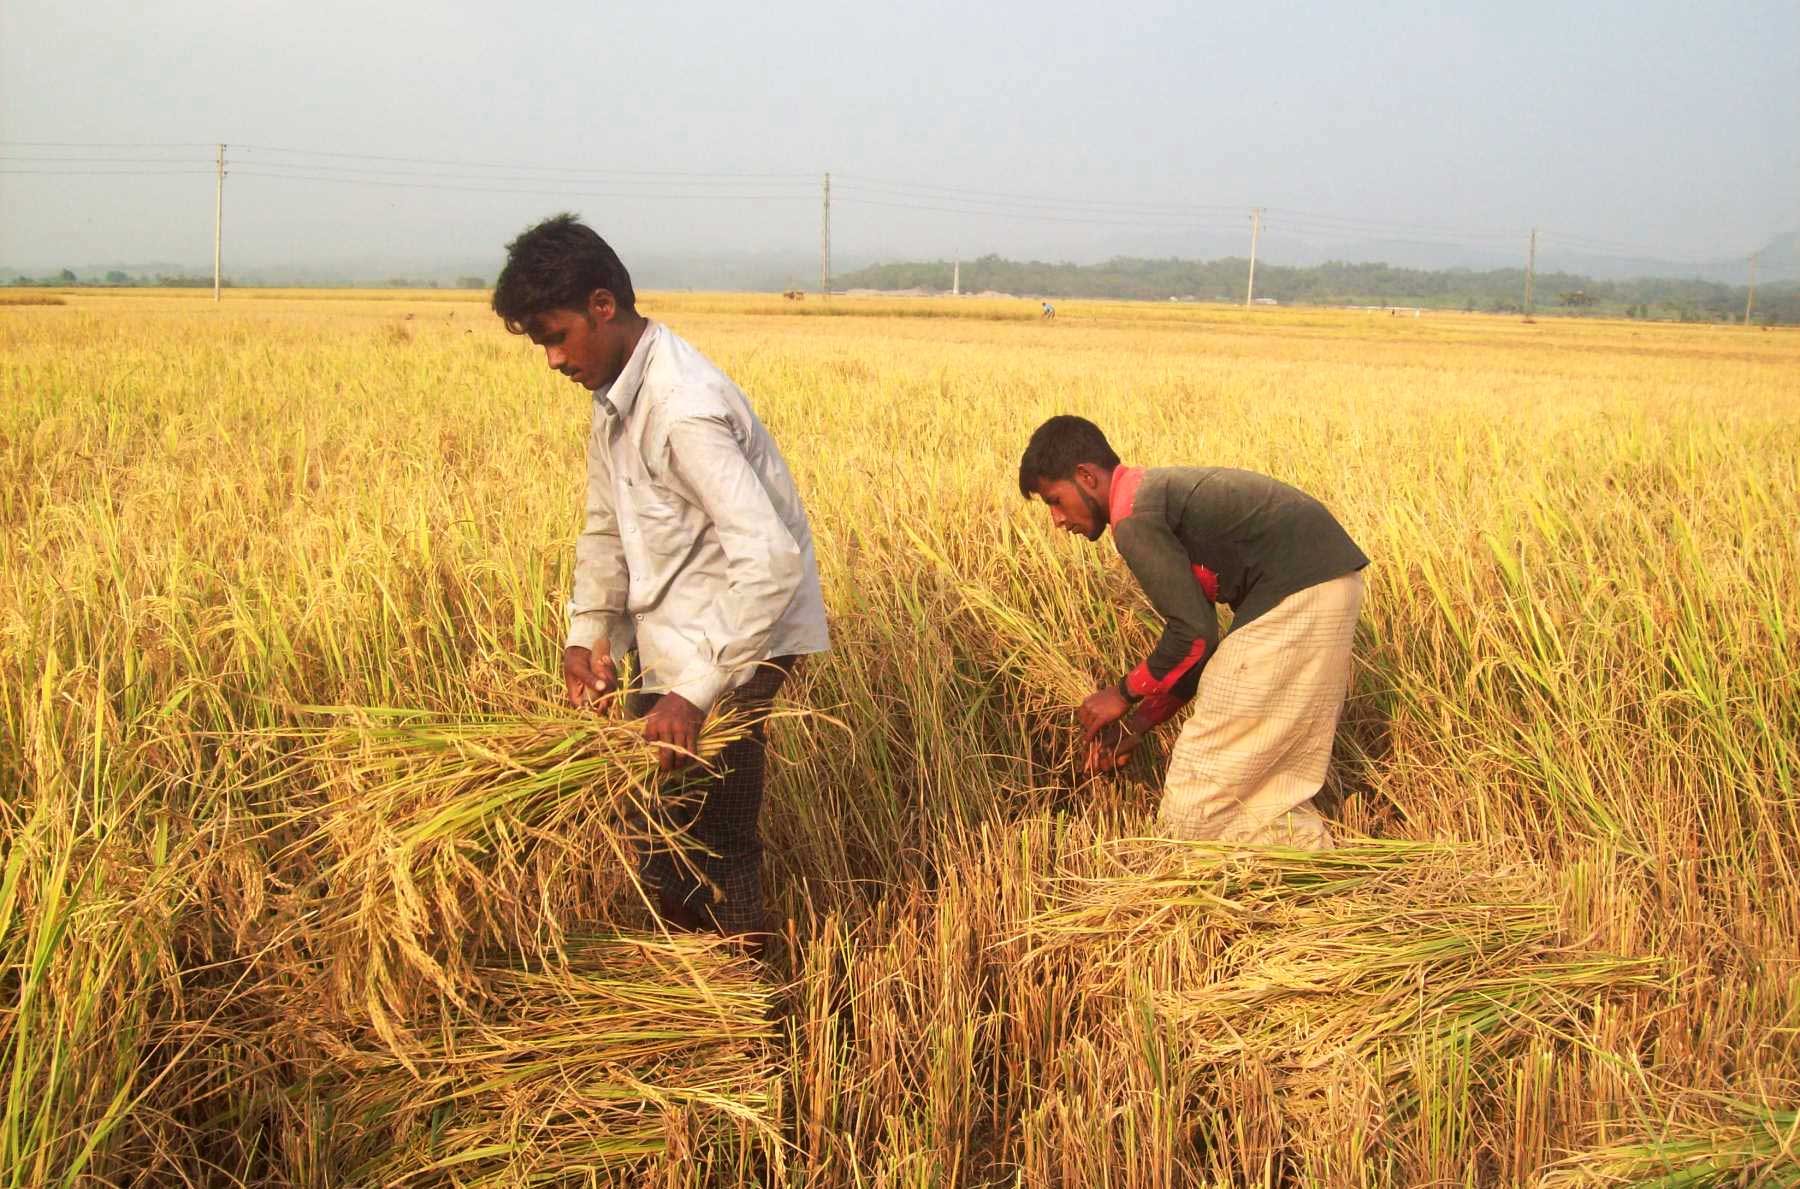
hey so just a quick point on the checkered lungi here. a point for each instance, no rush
(719, 817)
(1253, 753)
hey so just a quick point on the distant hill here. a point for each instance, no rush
(1780, 257)
(1340, 283)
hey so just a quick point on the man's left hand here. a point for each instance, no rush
(675, 723)
(1104, 706)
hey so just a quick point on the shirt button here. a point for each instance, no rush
(639, 617)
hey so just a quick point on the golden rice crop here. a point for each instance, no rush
(241, 944)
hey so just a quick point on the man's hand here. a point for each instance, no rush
(674, 722)
(1111, 748)
(1104, 706)
(588, 677)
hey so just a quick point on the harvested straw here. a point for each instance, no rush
(1367, 966)
(1748, 1144)
(634, 1049)
(427, 840)
(458, 1029)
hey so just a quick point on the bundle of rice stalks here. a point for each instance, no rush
(1051, 620)
(1047, 627)
(1110, 902)
(1753, 1144)
(633, 1050)
(1362, 966)
(420, 841)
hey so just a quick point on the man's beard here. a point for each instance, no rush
(1096, 513)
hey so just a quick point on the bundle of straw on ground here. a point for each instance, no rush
(631, 1051)
(1706, 1144)
(420, 842)
(1353, 975)
(1160, 1013)
(457, 1026)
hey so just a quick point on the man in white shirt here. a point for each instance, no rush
(695, 550)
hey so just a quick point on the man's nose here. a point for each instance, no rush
(1057, 518)
(556, 357)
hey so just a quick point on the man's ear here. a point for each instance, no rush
(601, 307)
(1087, 477)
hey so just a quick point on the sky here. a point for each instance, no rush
(405, 134)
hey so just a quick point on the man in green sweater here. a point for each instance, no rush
(1253, 753)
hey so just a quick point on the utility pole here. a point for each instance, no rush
(825, 242)
(956, 278)
(1750, 302)
(1255, 231)
(1530, 272)
(218, 221)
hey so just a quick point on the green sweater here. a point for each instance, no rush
(1196, 536)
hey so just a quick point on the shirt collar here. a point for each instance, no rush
(622, 393)
(1125, 482)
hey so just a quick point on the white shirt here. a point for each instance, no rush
(695, 546)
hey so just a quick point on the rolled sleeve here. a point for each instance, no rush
(1191, 626)
(764, 565)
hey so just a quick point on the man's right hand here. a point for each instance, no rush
(587, 676)
(1111, 748)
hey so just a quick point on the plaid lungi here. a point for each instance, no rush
(1253, 753)
(719, 817)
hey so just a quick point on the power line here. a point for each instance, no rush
(1354, 223)
(1042, 206)
(958, 192)
(243, 172)
(1163, 223)
(106, 173)
(1392, 232)
(70, 144)
(90, 160)
(1316, 235)
(354, 173)
(1674, 261)
(563, 169)
(1011, 201)
(1621, 251)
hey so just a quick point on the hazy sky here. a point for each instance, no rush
(1048, 129)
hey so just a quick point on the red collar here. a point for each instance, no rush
(1125, 482)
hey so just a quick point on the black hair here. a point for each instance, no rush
(555, 266)
(1060, 445)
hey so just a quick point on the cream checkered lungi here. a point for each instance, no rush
(1254, 752)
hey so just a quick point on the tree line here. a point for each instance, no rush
(1341, 283)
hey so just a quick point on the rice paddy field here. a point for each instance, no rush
(308, 880)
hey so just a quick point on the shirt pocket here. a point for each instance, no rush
(668, 521)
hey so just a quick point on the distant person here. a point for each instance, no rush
(695, 550)
(1253, 753)
(1049, 310)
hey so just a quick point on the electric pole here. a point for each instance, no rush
(956, 278)
(218, 221)
(1530, 272)
(1750, 302)
(1255, 231)
(825, 242)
